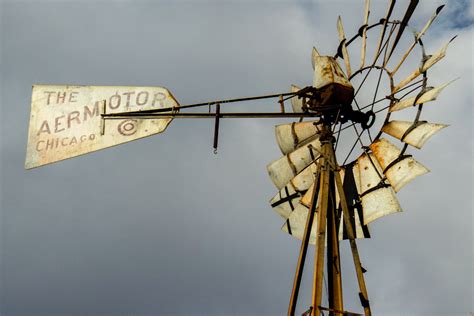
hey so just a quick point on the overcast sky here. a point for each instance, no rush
(162, 226)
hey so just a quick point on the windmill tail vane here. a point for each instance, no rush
(322, 196)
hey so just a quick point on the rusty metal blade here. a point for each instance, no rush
(417, 38)
(399, 169)
(293, 135)
(440, 54)
(364, 33)
(414, 134)
(409, 12)
(426, 96)
(342, 39)
(377, 197)
(282, 170)
(285, 201)
(65, 120)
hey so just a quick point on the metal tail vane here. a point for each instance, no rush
(320, 199)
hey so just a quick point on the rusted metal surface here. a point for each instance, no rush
(65, 120)
(399, 169)
(293, 135)
(377, 197)
(414, 134)
(329, 78)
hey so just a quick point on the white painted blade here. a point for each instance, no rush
(293, 135)
(296, 222)
(65, 120)
(417, 137)
(427, 96)
(296, 103)
(400, 173)
(426, 65)
(358, 230)
(364, 34)
(285, 201)
(314, 55)
(377, 200)
(418, 37)
(345, 54)
(281, 171)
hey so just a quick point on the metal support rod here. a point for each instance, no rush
(321, 232)
(350, 233)
(121, 116)
(335, 297)
(304, 248)
(209, 103)
(282, 104)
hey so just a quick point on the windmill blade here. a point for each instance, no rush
(417, 38)
(296, 103)
(384, 28)
(296, 222)
(361, 231)
(342, 40)
(409, 12)
(440, 54)
(428, 95)
(364, 33)
(415, 134)
(66, 120)
(377, 196)
(293, 135)
(282, 170)
(355, 208)
(314, 55)
(399, 169)
(285, 201)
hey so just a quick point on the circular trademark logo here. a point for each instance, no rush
(127, 127)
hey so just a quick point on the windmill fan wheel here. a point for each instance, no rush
(348, 110)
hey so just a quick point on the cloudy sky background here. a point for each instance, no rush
(162, 226)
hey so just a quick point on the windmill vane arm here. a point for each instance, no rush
(125, 115)
(209, 103)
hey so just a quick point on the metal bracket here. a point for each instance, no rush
(102, 118)
(216, 127)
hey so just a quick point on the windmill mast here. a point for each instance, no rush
(327, 213)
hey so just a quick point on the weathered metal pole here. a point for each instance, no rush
(350, 233)
(321, 230)
(303, 249)
(335, 297)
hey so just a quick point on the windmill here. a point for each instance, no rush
(318, 195)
